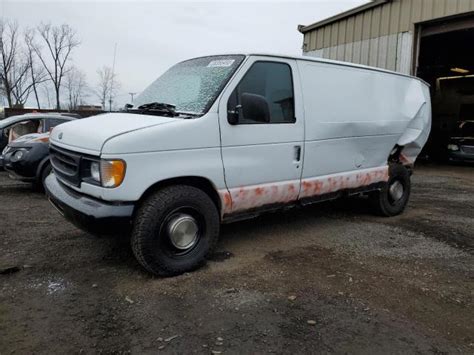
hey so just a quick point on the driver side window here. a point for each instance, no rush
(267, 84)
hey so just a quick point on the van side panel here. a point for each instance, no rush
(354, 117)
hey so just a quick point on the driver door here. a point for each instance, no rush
(262, 151)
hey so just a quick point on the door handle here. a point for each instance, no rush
(297, 153)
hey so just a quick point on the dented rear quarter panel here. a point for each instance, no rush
(354, 117)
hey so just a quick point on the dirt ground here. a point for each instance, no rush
(330, 278)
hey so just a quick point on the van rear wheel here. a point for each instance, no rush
(392, 199)
(174, 230)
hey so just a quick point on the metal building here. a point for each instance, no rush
(432, 39)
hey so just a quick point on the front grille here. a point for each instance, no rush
(66, 164)
(468, 149)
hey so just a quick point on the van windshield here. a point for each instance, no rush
(193, 85)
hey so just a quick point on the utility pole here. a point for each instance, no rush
(113, 77)
(132, 94)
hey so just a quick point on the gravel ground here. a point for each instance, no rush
(327, 278)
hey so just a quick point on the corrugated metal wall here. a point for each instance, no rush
(392, 52)
(381, 36)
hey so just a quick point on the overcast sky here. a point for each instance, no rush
(152, 36)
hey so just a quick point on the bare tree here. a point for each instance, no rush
(20, 84)
(59, 42)
(47, 95)
(38, 74)
(2, 92)
(9, 48)
(76, 87)
(107, 87)
(17, 74)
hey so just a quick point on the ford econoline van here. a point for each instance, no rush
(221, 138)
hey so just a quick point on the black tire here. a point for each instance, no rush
(151, 237)
(383, 202)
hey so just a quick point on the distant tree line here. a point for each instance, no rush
(37, 62)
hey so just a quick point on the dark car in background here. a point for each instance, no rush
(14, 127)
(27, 157)
(461, 145)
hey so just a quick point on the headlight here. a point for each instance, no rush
(107, 173)
(17, 155)
(453, 147)
(95, 171)
(112, 172)
(5, 150)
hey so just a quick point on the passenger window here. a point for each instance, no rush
(264, 95)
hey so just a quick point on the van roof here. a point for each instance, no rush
(321, 60)
(335, 62)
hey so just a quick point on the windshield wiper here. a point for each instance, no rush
(160, 108)
(154, 108)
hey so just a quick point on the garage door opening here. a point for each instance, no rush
(446, 62)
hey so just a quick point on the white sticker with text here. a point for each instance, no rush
(221, 63)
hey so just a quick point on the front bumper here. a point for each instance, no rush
(87, 213)
(15, 176)
(25, 169)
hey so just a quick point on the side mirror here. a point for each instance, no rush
(233, 115)
(255, 108)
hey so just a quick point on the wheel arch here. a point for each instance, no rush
(199, 182)
(39, 170)
(397, 157)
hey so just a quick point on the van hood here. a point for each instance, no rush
(89, 135)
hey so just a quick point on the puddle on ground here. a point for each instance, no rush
(51, 286)
(56, 286)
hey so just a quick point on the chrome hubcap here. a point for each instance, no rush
(183, 231)
(396, 190)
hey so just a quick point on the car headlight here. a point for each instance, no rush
(95, 171)
(5, 150)
(17, 155)
(453, 147)
(107, 173)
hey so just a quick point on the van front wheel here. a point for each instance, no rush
(174, 230)
(392, 199)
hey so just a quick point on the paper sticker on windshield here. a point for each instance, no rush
(221, 63)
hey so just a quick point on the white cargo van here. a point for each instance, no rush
(226, 137)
